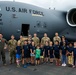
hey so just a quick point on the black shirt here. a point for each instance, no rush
(56, 49)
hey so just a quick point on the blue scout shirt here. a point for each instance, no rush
(56, 49)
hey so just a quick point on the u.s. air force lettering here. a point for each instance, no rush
(24, 10)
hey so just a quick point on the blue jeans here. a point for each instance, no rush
(63, 59)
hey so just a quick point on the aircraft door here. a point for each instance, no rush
(25, 29)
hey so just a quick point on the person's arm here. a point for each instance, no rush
(16, 50)
(22, 52)
(48, 52)
(54, 40)
(60, 50)
(5, 46)
(53, 50)
(31, 50)
(34, 51)
(43, 52)
(49, 39)
(38, 41)
(42, 41)
(59, 39)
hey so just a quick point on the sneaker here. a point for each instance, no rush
(28, 64)
(25, 66)
(64, 64)
(18, 65)
(73, 66)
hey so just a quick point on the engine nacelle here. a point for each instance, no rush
(71, 17)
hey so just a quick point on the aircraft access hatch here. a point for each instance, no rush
(25, 29)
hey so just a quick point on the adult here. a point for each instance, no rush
(21, 41)
(45, 39)
(63, 39)
(3, 43)
(12, 43)
(36, 39)
(56, 38)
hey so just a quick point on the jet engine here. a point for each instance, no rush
(71, 17)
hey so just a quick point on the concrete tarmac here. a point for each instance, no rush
(44, 69)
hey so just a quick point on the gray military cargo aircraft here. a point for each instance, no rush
(23, 19)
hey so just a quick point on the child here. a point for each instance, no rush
(25, 53)
(70, 54)
(18, 54)
(57, 52)
(63, 53)
(37, 55)
(51, 52)
(42, 53)
(29, 46)
(74, 54)
(46, 51)
(32, 50)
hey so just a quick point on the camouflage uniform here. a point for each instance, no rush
(2, 50)
(29, 39)
(44, 40)
(36, 40)
(12, 48)
(56, 38)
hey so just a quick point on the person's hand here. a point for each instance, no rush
(5, 47)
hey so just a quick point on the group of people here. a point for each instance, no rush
(33, 51)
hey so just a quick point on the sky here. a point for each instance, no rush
(58, 4)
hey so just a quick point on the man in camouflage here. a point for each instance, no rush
(12, 43)
(36, 39)
(21, 41)
(45, 39)
(56, 38)
(3, 43)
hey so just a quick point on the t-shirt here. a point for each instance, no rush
(32, 48)
(70, 49)
(42, 50)
(74, 51)
(56, 49)
(64, 50)
(51, 50)
(29, 46)
(37, 53)
(61, 43)
(46, 48)
(18, 48)
(25, 47)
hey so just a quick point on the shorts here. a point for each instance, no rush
(25, 56)
(32, 54)
(57, 56)
(18, 56)
(41, 57)
(28, 54)
(37, 58)
(51, 56)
